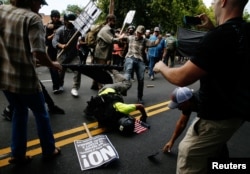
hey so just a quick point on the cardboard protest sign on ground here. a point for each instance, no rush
(95, 151)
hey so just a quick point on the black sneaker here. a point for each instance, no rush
(140, 101)
(56, 91)
(56, 110)
(7, 114)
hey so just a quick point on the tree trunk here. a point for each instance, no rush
(111, 7)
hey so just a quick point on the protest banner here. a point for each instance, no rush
(128, 19)
(95, 151)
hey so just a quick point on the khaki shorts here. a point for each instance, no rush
(204, 139)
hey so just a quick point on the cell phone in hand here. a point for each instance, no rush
(190, 20)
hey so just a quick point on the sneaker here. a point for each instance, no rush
(20, 161)
(74, 92)
(57, 91)
(152, 77)
(61, 89)
(140, 101)
(56, 110)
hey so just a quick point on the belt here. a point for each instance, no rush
(136, 59)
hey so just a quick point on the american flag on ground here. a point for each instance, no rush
(140, 127)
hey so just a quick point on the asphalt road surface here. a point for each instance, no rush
(133, 151)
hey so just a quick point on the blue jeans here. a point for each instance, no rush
(138, 66)
(36, 103)
(152, 61)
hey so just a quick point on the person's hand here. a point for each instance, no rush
(37, 62)
(56, 65)
(167, 147)
(64, 46)
(121, 36)
(205, 22)
(159, 36)
(158, 66)
(50, 26)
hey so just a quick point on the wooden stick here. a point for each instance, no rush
(87, 130)
(75, 36)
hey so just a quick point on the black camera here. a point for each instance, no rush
(190, 20)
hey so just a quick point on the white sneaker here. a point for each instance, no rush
(74, 92)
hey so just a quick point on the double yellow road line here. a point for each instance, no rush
(78, 133)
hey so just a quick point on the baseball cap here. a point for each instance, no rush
(140, 29)
(157, 29)
(180, 95)
(69, 17)
(43, 2)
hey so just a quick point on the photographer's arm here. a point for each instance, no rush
(206, 22)
(180, 76)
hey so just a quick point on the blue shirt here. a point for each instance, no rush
(156, 51)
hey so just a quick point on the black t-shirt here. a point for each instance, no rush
(224, 54)
(50, 31)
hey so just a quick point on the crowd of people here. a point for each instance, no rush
(135, 49)
(112, 47)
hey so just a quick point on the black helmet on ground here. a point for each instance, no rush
(126, 125)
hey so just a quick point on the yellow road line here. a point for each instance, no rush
(5, 152)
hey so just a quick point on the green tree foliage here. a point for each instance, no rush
(247, 16)
(167, 14)
(5, 1)
(73, 8)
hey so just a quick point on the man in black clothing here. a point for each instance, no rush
(51, 28)
(224, 103)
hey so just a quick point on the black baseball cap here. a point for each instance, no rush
(43, 2)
